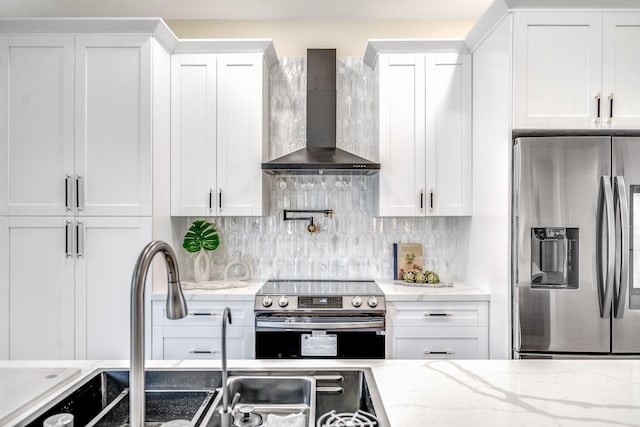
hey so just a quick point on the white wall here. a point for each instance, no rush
(348, 37)
(489, 237)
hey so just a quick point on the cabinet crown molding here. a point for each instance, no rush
(376, 47)
(500, 8)
(264, 46)
(154, 27)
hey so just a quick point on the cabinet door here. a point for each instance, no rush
(4, 287)
(106, 253)
(243, 131)
(620, 70)
(113, 125)
(193, 134)
(402, 135)
(448, 134)
(36, 147)
(41, 288)
(557, 70)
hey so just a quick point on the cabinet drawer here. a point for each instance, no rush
(206, 313)
(438, 314)
(180, 348)
(438, 348)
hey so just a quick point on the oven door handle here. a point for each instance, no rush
(283, 324)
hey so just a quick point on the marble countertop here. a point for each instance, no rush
(450, 393)
(393, 292)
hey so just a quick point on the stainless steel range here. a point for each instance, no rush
(320, 319)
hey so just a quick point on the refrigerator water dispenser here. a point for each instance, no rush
(554, 257)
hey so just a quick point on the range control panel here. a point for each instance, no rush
(319, 302)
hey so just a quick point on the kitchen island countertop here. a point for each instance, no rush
(457, 393)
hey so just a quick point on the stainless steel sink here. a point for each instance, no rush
(193, 394)
(269, 395)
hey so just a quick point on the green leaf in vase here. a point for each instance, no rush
(201, 235)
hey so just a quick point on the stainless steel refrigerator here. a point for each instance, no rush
(575, 278)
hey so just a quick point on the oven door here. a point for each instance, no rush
(295, 337)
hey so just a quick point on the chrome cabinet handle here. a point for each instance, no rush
(621, 279)
(438, 315)
(67, 192)
(67, 237)
(79, 239)
(610, 98)
(220, 198)
(79, 195)
(597, 120)
(194, 351)
(605, 276)
(447, 352)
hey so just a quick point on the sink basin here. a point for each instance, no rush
(103, 399)
(194, 394)
(269, 395)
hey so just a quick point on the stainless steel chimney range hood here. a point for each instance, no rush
(321, 155)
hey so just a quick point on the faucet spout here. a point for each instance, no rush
(176, 309)
(225, 412)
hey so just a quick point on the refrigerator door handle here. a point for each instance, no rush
(605, 206)
(622, 273)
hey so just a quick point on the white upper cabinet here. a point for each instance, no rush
(77, 125)
(36, 150)
(193, 134)
(424, 103)
(219, 134)
(575, 70)
(620, 70)
(243, 133)
(448, 186)
(402, 134)
(113, 125)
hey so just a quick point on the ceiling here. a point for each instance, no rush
(250, 9)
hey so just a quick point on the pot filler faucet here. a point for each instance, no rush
(176, 309)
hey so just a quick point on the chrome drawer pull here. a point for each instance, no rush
(438, 315)
(193, 351)
(211, 314)
(447, 352)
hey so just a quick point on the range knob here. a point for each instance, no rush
(283, 301)
(267, 301)
(356, 301)
(373, 302)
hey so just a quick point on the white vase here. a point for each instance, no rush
(237, 264)
(201, 266)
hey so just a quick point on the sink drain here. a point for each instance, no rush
(347, 419)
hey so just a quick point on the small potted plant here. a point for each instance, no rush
(200, 238)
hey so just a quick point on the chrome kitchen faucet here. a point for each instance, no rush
(176, 308)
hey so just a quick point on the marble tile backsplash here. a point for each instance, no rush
(352, 243)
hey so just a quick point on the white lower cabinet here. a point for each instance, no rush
(67, 281)
(199, 335)
(438, 330)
